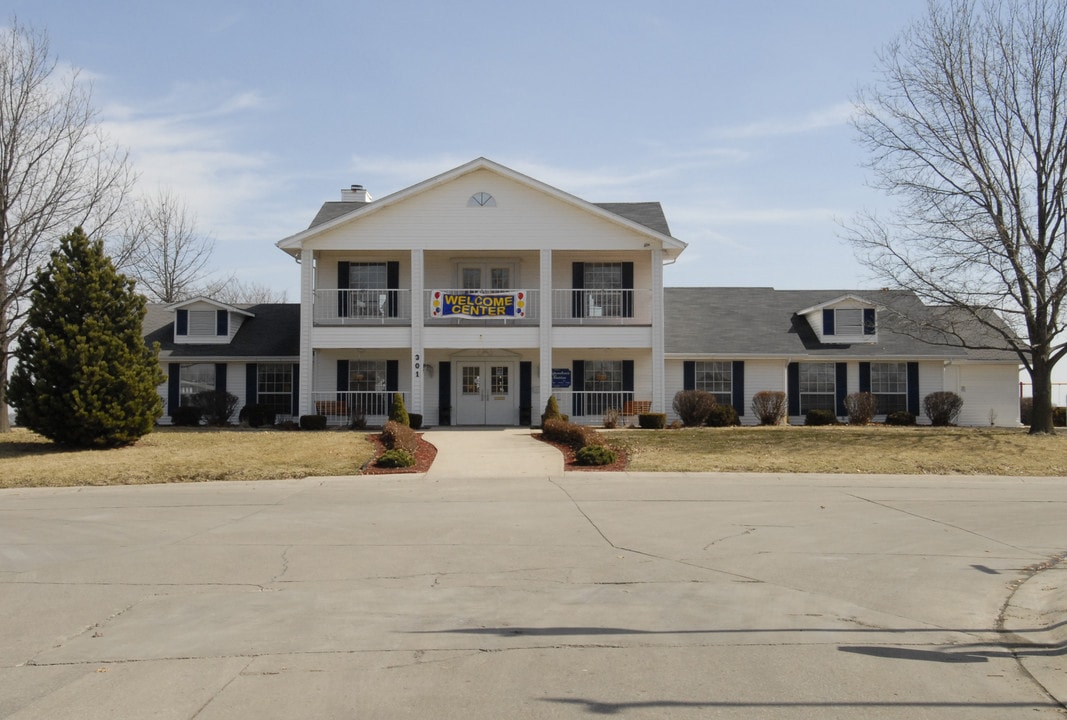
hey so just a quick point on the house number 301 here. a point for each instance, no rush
(418, 365)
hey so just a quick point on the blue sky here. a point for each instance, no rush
(732, 114)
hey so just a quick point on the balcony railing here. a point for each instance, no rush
(601, 307)
(589, 407)
(363, 307)
(341, 406)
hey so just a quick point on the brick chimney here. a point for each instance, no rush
(356, 193)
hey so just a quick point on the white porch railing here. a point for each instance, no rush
(363, 307)
(588, 407)
(601, 307)
(341, 406)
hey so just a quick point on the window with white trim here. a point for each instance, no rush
(818, 385)
(603, 284)
(368, 289)
(716, 378)
(367, 378)
(274, 386)
(603, 386)
(194, 378)
(889, 386)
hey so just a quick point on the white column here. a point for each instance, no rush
(659, 399)
(418, 352)
(307, 319)
(544, 375)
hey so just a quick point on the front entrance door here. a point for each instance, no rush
(487, 393)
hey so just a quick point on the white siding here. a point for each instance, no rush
(986, 389)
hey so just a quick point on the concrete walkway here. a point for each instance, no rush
(491, 452)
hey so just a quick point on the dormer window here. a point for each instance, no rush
(849, 322)
(202, 323)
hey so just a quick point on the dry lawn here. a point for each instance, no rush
(184, 455)
(844, 449)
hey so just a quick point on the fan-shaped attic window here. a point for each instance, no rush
(481, 199)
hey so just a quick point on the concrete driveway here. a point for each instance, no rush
(531, 594)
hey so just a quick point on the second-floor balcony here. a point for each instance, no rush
(570, 306)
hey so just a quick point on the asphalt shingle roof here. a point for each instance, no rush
(273, 332)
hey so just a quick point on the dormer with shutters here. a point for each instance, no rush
(846, 320)
(201, 321)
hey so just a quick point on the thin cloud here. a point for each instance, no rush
(832, 116)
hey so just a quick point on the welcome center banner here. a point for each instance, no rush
(478, 304)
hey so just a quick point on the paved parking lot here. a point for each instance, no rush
(536, 595)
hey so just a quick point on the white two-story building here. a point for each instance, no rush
(480, 292)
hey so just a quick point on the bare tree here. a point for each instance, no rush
(57, 171)
(252, 292)
(967, 130)
(162, 249)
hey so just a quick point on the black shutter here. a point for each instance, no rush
(577, 387)
(792, 386)
(865, 377)
(182, 323)
(870, 326)
(342, 380)
(739, 387)
(251, 383)
(913, 388)
(628, 376)
(525, 392)
(689, 375)
(628, 289)
(392, 282)
(174, 380)
(342, 284)
(295, 407)
(841, 386)
(444, 393)
(220, 377)
(392, 375)
(578, 285)
(222, 322)
(827, 322)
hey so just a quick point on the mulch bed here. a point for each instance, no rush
(569, 462)
(423, 459)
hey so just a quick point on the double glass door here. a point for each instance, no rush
(487, 393)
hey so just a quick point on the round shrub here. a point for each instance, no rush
(900, 417)
(257, 415)
(820, 417)
(595, 455)
(312, 422)
(187, 416)
(693, 406)
(861, 408)
(415, 420)
(652, 421)
(943, 408)
(769, 406)
(722, 416)
(395, 458)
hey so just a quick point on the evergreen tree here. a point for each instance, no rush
(85, 377)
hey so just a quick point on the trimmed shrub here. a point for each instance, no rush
(722, 416)
(595, 455)
(395, 458)
(861, 408)
(820, 417)
(693, 406)
(576, 436)
(551, 411)
(415, 421)
(1059, 417)
(769, 406)
(396, 436)
(1026, 410)
(398, 412)
(217, 407)
(943, 408)
(652, 421)
(187, 416)
(312, 422)
(257, 415)
(611, 418)
(900, 417)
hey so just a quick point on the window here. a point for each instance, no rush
(367, 295)
(367, 378)
(889, 385)
(194, 378)
(498, 380)
(817, 387)
(481, 199)
(604, 292)
(715, 378)
(274, 386)
(603, 386)
(849, 322)
(485, 276)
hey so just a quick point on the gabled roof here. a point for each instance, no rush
(764, 322)
(644, 218)
(271, 330)
(837, 301)
(209, 301)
